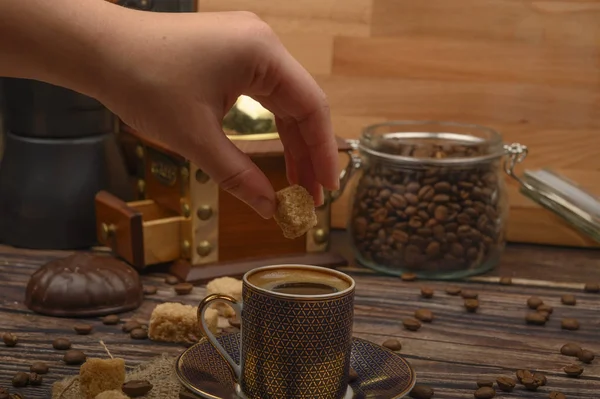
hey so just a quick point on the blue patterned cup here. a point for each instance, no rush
(296, 332)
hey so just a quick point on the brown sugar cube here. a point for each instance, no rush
(174, 322)
(225, 286)
(295, 212)
(113, 394)
(99, 375)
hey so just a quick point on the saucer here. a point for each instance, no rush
(382, 374)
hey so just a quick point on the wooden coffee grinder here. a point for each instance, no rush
(182, 217)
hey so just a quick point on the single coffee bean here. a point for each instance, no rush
(557, 395)
(545, 308)
(471, 305)
(569, 324)
(35, 379)
(83, 329)
(506, 384)
(573, 370)
(469, 295)
(569, 300)
(425, 315)
(136, 388)
(74, 357)
(586, 356)
(570, 349)
(20, 380)
(392, 344)
(61, 344)
(545, 315)
(411, 324)
(521, 374)
(421, 392)
(530, 384)
(171, 280)
(111, 320)
(150, 290)
(505, 280)
(592, 287)
(453, 290)
(534, 302)
(536, 318)
(10, 339)
(352, 375)
(183, 288)
(485, 393)
(39, 368)
(139, 333)
(408, 276)
(485, 383)
(131, 325)
(540, 379)
(427, 292)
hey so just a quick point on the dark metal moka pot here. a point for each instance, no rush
(59, 150)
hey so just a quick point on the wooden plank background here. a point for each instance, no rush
(530, 69)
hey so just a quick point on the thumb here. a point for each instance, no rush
(233, 170)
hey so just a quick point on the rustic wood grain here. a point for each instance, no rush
(450, 353)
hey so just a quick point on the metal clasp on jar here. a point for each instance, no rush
(516, 154)
(353, 165)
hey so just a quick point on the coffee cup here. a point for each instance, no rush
(296, 333)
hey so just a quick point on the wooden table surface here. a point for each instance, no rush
(450, 354)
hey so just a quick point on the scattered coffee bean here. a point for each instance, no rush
(568, 299)
(592, 287)
(453, 290)
(83, 329)
(521, 374)
(570, 349)
(187, 395)
(505, 280)
(411, 324)
(139, 333)
(471, 305)
(573, 370)
(10, 339)
(540, 379)
(545, 308)
(74, 357)
(235, 322)
(39, 368)
(469, 294)
(485, 393)
(131, 325)
(586, 356)
(536, 318)
(421, 392)
(35, 379)
(150, 290)
(534, 302)
(530, 384)
(20, 380)
(111, 320)
(485, 383)
(61, 344)
(569, 324)
(557, 395)
(352, 375)
(392, 344)
(171, 280)
(183, 288)
(427, 292)
(506, 384)
(424, 315)
(136, 388)
(545, 315)
(408, 276)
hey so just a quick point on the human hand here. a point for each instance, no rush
(173, 77)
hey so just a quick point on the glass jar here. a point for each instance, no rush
(430, 199)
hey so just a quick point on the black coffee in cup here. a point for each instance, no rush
(298, 281)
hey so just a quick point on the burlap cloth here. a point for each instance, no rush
(160, 371)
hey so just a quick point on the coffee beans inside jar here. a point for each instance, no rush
(436, 219)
